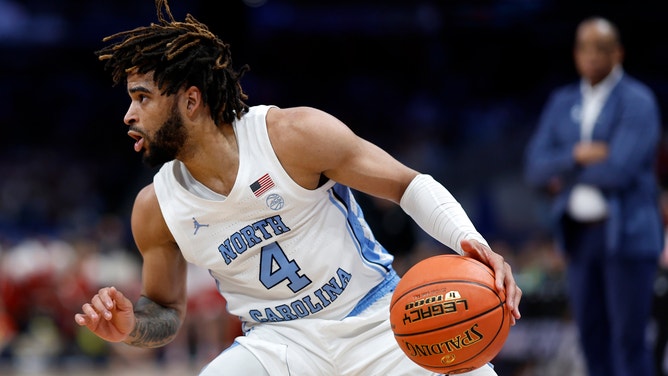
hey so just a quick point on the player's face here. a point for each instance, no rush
(159, 138)
(596, 52)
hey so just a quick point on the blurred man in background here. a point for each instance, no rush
(594, 152)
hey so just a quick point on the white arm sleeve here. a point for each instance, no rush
(438, 213)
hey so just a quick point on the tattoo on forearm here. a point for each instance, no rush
(156, 325)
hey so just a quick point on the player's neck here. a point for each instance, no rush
(213, 159)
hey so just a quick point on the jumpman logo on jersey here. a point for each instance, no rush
(198, 225)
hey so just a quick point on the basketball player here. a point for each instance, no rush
(261, 197)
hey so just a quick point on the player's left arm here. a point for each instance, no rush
(311, 143)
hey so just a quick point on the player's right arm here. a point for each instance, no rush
(156, 317)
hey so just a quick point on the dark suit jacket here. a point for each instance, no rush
(630, 123)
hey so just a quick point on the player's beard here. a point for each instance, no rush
(167, 141)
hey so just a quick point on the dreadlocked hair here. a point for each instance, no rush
(180, 54)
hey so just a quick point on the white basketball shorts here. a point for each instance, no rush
(362, 345)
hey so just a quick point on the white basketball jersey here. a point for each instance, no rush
(276, 250)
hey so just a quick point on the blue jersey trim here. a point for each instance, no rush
(385, 287)
(375, 255)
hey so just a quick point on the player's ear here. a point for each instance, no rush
(193, 98)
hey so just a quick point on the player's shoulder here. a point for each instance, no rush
(299, 124)
(294, 115)
(146, 209)
(146, 198)
(148, 225)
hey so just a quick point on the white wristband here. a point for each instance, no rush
(438, 213)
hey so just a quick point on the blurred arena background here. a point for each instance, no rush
(450, 87)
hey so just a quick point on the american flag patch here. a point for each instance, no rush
(262, 185)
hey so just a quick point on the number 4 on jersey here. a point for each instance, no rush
(272, 255)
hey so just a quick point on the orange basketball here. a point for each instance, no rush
(447, 315)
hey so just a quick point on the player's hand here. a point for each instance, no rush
(109, 315)
(504, 277)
